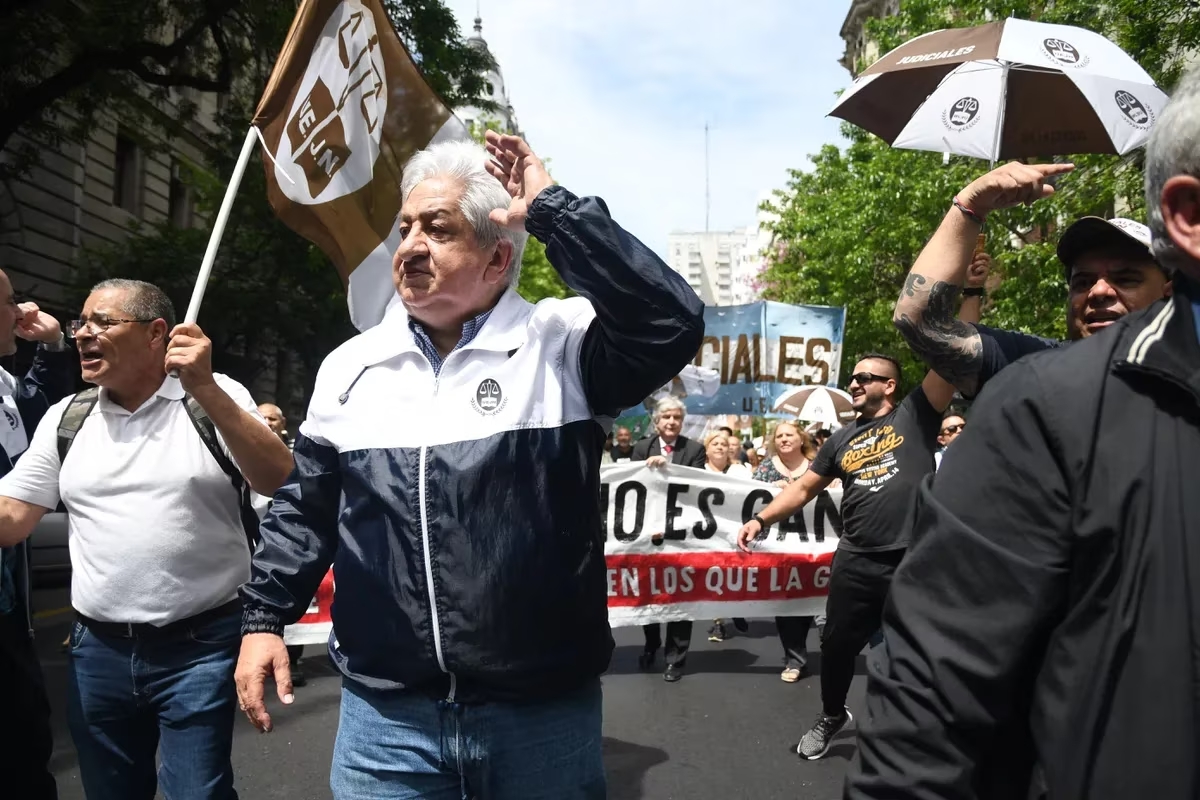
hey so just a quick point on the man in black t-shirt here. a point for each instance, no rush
(880, 458)
(1107, 264)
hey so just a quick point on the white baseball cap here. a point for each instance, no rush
(1089, 233)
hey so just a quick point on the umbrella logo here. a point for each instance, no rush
(488, 397)
(1135, 113)
(962, 115)
(1064, 53)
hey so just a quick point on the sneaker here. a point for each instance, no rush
(717, 632)
(817, 741)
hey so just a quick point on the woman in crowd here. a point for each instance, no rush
(790, 452)
(717, 457)
(716, 453)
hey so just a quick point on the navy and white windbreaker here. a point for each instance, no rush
(461, 512)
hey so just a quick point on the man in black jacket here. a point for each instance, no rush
(668, 446)
(449, 470)
(1040, 637)
(25, 760)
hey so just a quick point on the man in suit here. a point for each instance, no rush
(668, 447)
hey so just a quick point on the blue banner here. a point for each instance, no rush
(759, 351)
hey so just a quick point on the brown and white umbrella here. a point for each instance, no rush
(1008, 89)
(816, 404)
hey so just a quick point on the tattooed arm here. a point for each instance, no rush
(925, 312)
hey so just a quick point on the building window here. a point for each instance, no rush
(127, 175)
(179, 199)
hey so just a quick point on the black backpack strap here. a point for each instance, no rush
(75, 414)
(208, 433)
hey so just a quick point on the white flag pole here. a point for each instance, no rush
(218, 229)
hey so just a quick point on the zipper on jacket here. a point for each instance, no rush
(437, 627)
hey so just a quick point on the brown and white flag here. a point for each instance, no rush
(344, 109)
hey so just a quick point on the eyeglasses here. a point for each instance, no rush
(98, 325)
(952, 429)
(863, 378)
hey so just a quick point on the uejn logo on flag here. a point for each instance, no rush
(334, 126)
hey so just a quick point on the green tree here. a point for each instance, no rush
(850, 227)
(63, 62)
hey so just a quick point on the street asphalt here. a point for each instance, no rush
(727, 730)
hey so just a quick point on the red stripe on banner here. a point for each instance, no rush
(668, 578)
(322, 603)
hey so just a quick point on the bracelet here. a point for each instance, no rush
(972, 215)
(759, 520)
(974, 291)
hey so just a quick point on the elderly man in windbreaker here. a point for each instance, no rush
(471, 621)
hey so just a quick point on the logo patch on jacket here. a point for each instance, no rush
(489, 398)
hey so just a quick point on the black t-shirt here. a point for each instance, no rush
(1001, 348)
(880, 462)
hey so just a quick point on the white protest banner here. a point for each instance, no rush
(670, 549)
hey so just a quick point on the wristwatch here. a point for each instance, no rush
(974, 291)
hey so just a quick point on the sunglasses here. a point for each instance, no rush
(952, 429)
(863, 378)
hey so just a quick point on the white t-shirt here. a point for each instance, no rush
(739, 470)
(155, 529)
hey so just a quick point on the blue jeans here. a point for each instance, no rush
(128, 698)
(398, 745)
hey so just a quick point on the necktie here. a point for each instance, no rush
(667, 449)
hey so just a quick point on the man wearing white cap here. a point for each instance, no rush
(1109, 269)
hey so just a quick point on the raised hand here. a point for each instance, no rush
(189, 354)
(1011, 185)
(36, 325)
(978, 270)
(523, 174)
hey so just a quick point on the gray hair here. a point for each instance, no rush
(143, 301)
(666, 404)
(1174, 149)
(464, 162)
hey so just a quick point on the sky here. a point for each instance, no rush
(616, 95)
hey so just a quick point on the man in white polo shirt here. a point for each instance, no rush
(158, 545)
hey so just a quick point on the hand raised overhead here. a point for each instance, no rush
(523, 174)
(1011, 185)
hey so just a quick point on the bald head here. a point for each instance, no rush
(273, 414)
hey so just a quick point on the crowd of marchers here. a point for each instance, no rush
(1025, 570)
